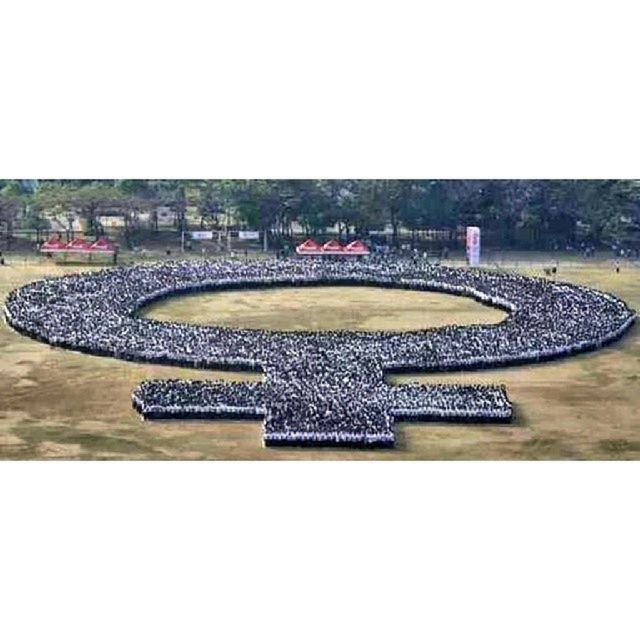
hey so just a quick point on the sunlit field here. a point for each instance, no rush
(325, 309)
(59, 404)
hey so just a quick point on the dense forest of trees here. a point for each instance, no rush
(512, 213)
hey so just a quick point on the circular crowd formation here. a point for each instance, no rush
(319, 387)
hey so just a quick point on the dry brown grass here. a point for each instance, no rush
(60, 404)
(325, 309)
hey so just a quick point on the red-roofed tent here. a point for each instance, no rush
(53, 244)
(309, 247)
(357, 248)
(104, 245)
(78, 245)
(333, 247)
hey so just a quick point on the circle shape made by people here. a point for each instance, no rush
(319, 388)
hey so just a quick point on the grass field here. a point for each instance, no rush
(325, 309)
(60, 404)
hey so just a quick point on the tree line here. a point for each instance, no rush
(512, 213)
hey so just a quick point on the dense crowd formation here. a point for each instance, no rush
(325, 387)
(294, 416)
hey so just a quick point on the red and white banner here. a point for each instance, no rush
(473, 246)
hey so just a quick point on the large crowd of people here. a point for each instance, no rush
(319, 387)
(303, 413)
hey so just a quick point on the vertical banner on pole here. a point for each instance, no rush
(473, 246)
